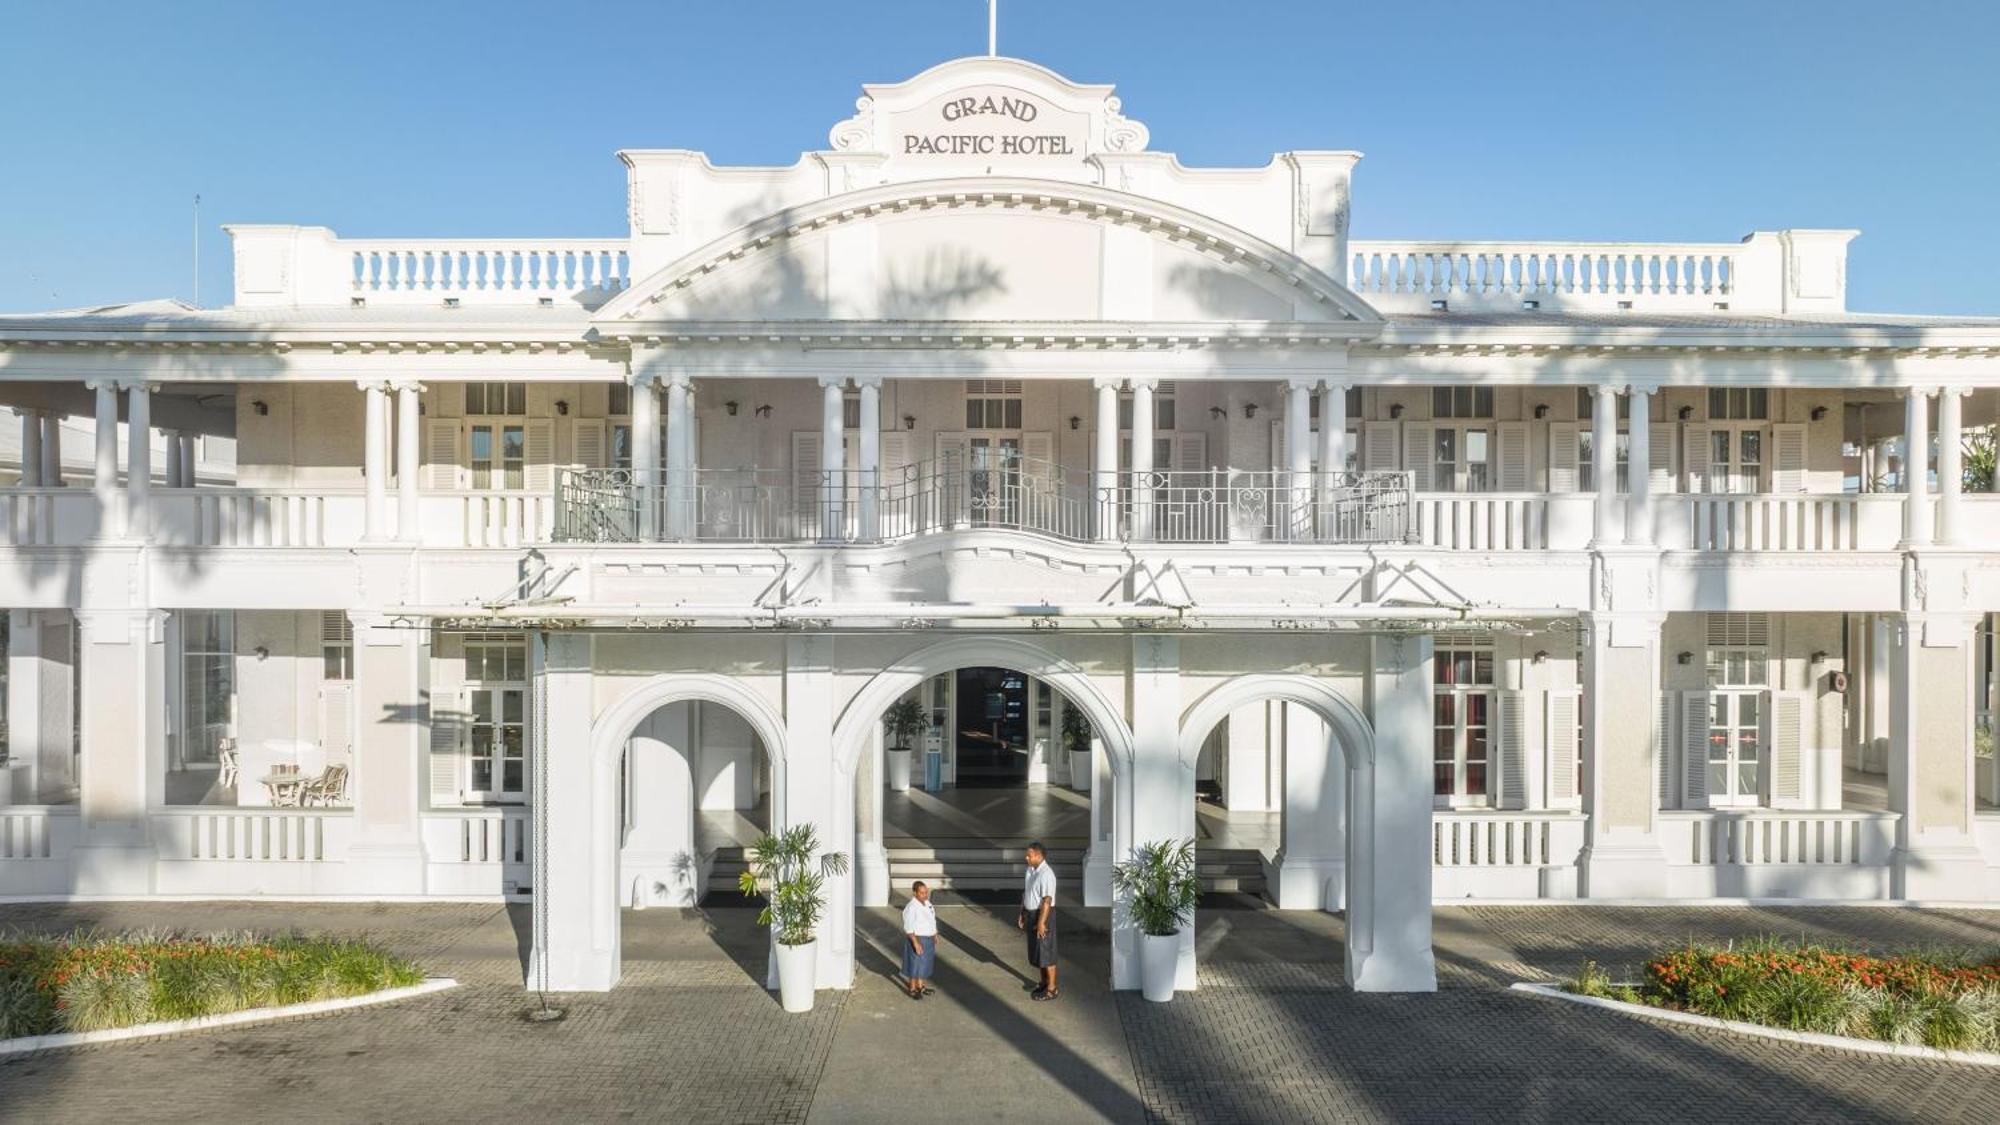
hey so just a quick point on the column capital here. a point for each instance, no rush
(1336, 386)
(832, 381)
(411, 385)
(676, 380)
(867, 382)
(1302, 383)
(1107, 382)
(638, 379)
(1149, 382)
(104, 383)
(383, 385)
(146, 385)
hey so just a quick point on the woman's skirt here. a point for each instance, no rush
(918, 966)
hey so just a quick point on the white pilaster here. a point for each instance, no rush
(391, 741)
(1950, 467)
(658, 864)
(1309, 871)
(124, 731)
(1639, 507)
(870, 459)
(811, 787)
(1604, 452)
(1142, 458)
(832, 458)
(1622, 855)
(1155, 802)
(574, 832)
(409, 470)
(1916, 467)
(375, 459)
(1931, 667)
(1389, 903)
(1106, 473)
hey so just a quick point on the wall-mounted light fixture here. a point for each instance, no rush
(731, 407)
(1686, 412)
(1249, 410)
(909, 421)
(1396, 410)
(1076, 421)
(1217, 412)
(1541, 410)
(562, 406)
(261, 652)
(1541, 656)
(1819, 656)
(763, 411)
(260, 406)
(1684, 658)
(1818, 412)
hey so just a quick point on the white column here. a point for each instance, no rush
(1106, 475)
(104, 469)
(52, 470)
(186, 443)
(1916, 468)
(1931, 702)
(123, 681)
(1389, 904)
(680, 456)
(31, 449)
(1309, 871)
(1951, 467)
(174, 471)
(1333, 430)
(832, 457)
(1298, 448)
(409, 520)
(391, 744)
(1604, 451)
(375, 458)
(1142, 458)
(1623, 856)
(870, 456)
(138, 458)
(1154, 799)
(1639, 508)
(645, 451)
(575, 804)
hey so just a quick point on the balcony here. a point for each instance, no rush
(760, 506)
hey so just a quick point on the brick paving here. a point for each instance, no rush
(1272, 1034)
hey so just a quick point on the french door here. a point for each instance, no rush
(993, 477)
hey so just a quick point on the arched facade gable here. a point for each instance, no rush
(1268, 265)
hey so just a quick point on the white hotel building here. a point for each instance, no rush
(1412, 571)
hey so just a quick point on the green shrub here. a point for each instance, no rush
(87, 982)
(1947, 1025)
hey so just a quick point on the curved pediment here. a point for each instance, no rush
(988, 249)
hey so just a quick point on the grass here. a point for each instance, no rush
(1937, 998)
(91, 982)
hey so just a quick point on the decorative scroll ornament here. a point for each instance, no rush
(857, 132)
(1121, 133)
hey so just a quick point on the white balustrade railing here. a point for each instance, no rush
(1574, 274)
(1780, 522)
(31, 832)
(1482, 521)
(481, 271)
(252, 835)
(1762, 837)
(486, 519)
(47, 517)
(1491, 838)
(256, 517)
(475, 836)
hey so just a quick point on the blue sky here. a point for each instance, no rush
(1695, 119)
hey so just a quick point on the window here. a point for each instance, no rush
(197, 772)
(1586, 461)
(990, 404)
(1738, 675)
(1586, 405)
(1735, 459)
(1462, 707)
(496, 672)
(496, 398)
(1738, 404)
(499, 456)
(336, 646)
(1462, 459)
(1461, 402)
(1163, 408)
(1353, 431)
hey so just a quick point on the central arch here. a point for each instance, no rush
(1355, 736)
(855, 732)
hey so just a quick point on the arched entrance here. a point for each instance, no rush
(579, 888)
(1312, 792)
(858, 767)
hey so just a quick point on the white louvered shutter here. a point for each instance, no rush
(1417, 441)
(1191, 453)
(1563, 475)
(541, 454)
(806, 478)
(441, 465)
(1788, 457)
(1663, 743)
(1694, 457)
(1786, 737)
(1512, 438)
(588, 443)
(1563, 733)
(336, 720)
(1378, 452)
(448, 713)
(1038, 456)
(1278, 462)
(1513, 752)
(1694, 749)
(1660, 456)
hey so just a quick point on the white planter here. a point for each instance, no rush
(1159, 962)
(798, 972)
(899, 770)
(1079, 770)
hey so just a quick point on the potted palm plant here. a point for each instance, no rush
(904, 720)
(1161, 890)
(788, 872)
(1076, 739)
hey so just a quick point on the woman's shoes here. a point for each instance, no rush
(928, 990)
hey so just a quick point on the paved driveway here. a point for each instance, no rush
(1271, 1035)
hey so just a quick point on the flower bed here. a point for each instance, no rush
(1947, 1001)
(96, 982)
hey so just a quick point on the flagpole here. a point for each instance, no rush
(992, 28)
